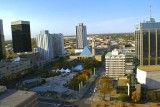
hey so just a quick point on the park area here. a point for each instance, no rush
(124, 104)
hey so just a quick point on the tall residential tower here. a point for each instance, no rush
(147, 37)
(81, 35)
(21, 36)
(2, 48)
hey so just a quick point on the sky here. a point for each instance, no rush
(61, 16)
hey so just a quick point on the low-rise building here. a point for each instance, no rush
(33, 56)
(18, 98)
(149, 75)
(32, 82)
(11, 68)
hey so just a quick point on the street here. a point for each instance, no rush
(86, 99)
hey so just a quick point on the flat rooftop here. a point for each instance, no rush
(150, 68)
(123, 82)
(12, 98)
(20, 22)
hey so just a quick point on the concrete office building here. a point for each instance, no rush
(21, 36)
(115, 64)
(2, 47)
(50, 45)
(147, 37)
(17, 98)
(58, 44)
(12, 68)
(81, 36)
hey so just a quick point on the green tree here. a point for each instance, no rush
(151, 95)
(123, 97)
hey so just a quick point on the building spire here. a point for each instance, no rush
(93, 47)
(150, 11)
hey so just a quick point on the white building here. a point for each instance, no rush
(149, 76)
(115, 64)
(11, 68)
(81, 35)
(50, 45)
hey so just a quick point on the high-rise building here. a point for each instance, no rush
(50, 45)
(21, 36)
(147, 37)
(81, 35)
(115, 64)
(2, 48)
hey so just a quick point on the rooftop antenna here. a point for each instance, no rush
(150, 11)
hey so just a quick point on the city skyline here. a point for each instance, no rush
(62, 16)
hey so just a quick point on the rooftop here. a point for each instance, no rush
(12, 98)
(20, 22)
(86, 51)
(150, 68)
(123, 82)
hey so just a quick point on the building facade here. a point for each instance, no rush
(12, 68)
(115, 64)
(50, 45)
(147, 37)
(58, 44)
(149, 76)
(2, 47)
(81, 36)
(34, 57)
(21, 36)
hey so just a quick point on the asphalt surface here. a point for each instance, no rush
(86, 99)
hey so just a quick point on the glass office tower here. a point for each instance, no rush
(2, 43)
(147, 37)
(21, 36)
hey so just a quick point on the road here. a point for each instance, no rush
(86, 99)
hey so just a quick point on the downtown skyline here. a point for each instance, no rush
(63, 15)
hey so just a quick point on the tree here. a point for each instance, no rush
(123, 97)
(152, 95)
(136, 96)
(104, 86)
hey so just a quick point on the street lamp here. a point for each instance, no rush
(94, 92)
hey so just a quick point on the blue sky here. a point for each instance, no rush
(61, 16)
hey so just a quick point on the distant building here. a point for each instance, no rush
(2, 43)
(115, 64)
(14, 67)
(50, 45)
(21, 36)
(88, 54)
(17, 98)
(147, 37)
(58, 44)
(81, 36)
(149, 75)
